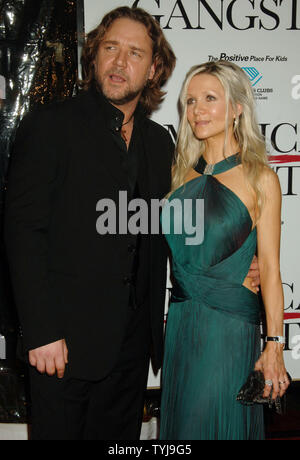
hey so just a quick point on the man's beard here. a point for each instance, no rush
(128, 96)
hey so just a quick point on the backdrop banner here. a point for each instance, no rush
(262, 37)
(38, 65)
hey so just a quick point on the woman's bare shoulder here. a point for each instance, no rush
(268, 178)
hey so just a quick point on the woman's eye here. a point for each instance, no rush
(190, 101)
(211, 98)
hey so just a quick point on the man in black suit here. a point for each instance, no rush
(91, 306)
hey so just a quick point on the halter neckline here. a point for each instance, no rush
(222, 166)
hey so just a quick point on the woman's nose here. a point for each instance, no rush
(199, 107)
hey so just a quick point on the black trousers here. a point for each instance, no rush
(109, 409)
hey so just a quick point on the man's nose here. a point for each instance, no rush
(121, 58)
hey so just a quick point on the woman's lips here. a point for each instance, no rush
(202, 123)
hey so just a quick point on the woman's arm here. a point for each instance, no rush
(268, 244)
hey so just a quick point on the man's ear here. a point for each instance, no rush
(152, 71)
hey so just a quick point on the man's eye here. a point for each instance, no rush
(135, 54)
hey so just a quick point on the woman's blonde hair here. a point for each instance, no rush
(238, 91)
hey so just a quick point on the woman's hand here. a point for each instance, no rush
(271, 364)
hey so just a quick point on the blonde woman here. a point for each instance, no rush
(213, 329)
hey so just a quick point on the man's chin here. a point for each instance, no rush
(121, 99)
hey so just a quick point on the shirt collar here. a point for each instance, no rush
(114, 117)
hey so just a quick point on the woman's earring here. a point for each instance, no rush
(236, 123)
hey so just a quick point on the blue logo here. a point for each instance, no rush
(254, 75)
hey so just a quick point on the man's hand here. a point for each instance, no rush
(254, 274)
(50, 359)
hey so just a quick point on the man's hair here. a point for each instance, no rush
(163, 55)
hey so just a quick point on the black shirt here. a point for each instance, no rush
(134, 163)
(129, 159)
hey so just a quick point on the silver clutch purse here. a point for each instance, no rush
(252, 393)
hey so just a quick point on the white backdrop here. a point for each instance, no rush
(262, 36)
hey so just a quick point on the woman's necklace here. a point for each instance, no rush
(123, 131)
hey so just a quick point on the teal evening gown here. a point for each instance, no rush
(213, 328)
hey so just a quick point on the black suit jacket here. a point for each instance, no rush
(69, 281)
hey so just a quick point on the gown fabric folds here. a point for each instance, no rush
(213, 327)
